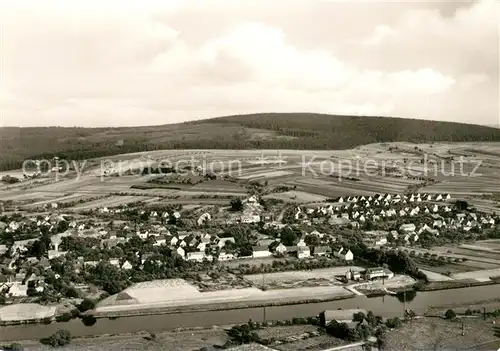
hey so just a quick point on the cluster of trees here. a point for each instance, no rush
(12, 347)
(9, 179)
(246, 333)
(236, 204)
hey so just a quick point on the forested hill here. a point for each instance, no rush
(339, 132)
(269, 130)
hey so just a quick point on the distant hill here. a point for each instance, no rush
(267, 130)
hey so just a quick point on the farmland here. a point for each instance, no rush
(478, 262)
(314, 176)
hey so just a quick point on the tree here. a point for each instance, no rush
(288, 236)
(381, 335)
(358, 317)
(311, 240)
(461, 205)
(86, 304)
(371, 319)
(450, 314)
(236, 204)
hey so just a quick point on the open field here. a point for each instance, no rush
(177, 293)
(298, 276)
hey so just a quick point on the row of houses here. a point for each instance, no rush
(300, 251)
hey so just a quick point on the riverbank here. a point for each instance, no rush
(454, 284)
(386, 306)
(145, 310)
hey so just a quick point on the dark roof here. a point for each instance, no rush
(260, 248)
(341, 315)
(123, 296)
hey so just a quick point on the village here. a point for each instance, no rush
(59, 259)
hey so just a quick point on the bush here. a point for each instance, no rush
(59, 338)
(65, 317)
(13, 347)
(393, 322)
(450, 314)
(9, 179)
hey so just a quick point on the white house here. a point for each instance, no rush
(181, 252)
(174, 240)
(345, 254)
(223, 241)
(301, 243)
(126, 265)
(281, 249)
(204, 218)
(223, 256)
(260, 251)
(201, 247)
(407, 228)
(160, 240)
(303, 252)
(195, 256)
(18, 290)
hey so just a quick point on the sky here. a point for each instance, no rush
(127, 63)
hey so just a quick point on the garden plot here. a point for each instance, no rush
(218, 185)
(110, 202)
(265, 174)
(477, 255)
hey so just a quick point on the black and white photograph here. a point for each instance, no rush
(249, 175)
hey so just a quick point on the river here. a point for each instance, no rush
(386, 306)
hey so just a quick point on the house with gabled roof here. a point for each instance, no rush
(197, 256)
(407, 228)
(180, 251)
(303, 252)
(321, 250)
(345, 255)
(280, 249)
